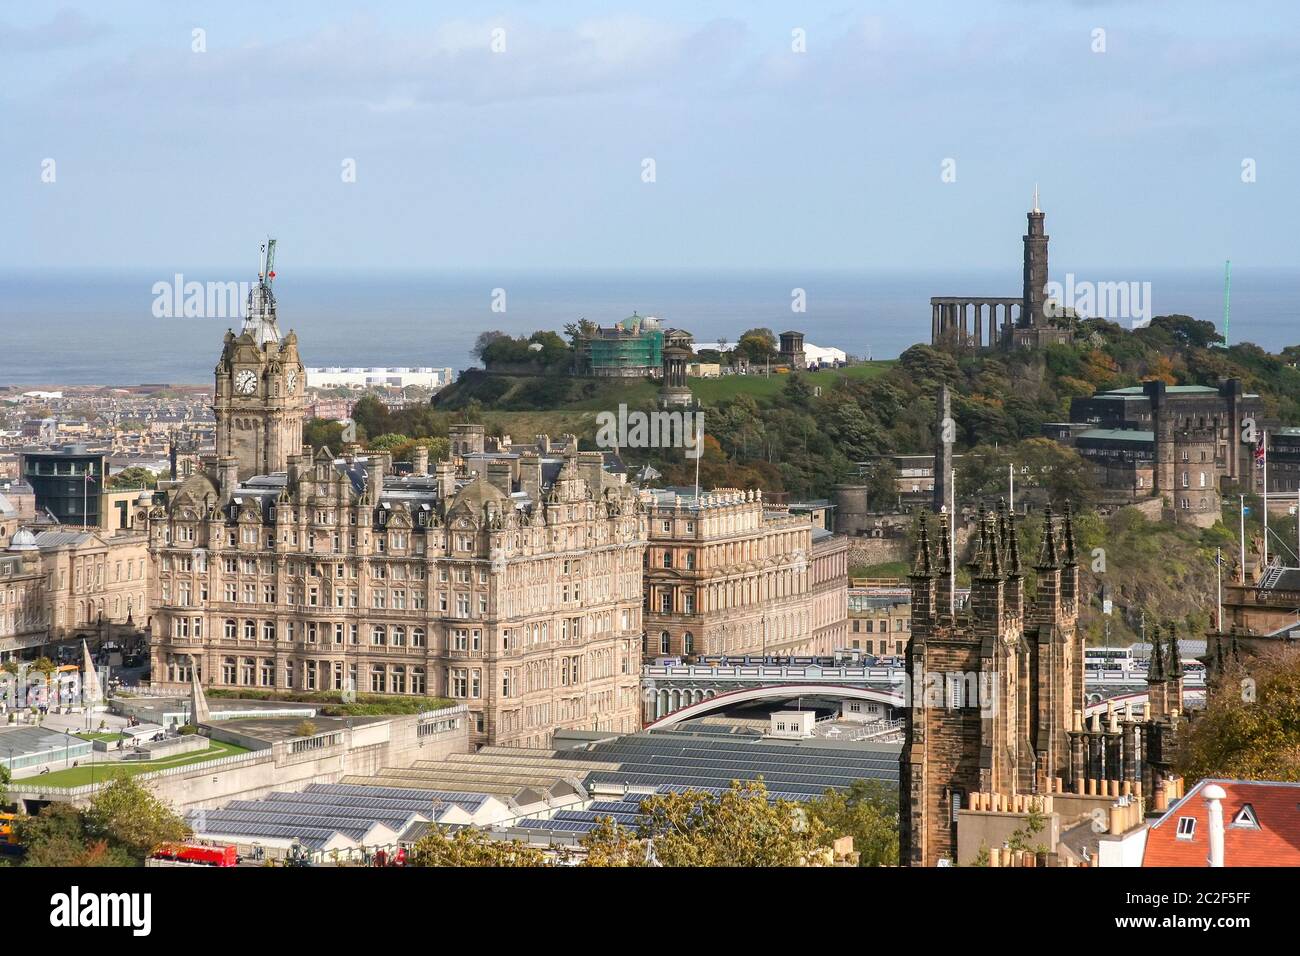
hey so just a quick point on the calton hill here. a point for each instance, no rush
(797, 434)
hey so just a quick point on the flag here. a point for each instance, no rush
(1261, 450)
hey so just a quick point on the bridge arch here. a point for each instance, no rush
(744, 695)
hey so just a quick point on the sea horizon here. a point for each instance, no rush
(431, 318)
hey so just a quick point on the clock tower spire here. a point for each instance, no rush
(259, 386)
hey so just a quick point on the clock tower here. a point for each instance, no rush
(260, 383)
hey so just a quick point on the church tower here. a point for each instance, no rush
(260, 383)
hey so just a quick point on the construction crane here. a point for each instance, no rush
(1227, 292)
(268, 261)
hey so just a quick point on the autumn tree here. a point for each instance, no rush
(739, 827)
(57, 837)
(122, 826)
(471, 846)
(128, 815)
(1249, 728)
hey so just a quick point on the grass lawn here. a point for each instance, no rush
(889, 569)
(765, 386)
(104, 770)
(98, 736)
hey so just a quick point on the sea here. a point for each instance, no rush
(104, 328)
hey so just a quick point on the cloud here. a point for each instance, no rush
(67, 28)
(452, 63)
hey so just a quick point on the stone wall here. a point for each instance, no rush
(396, 742)
(870, 551)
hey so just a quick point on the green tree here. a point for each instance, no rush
(868, 812)
(127, 815)
(324, 433)
(484, 340)
(57, 837)
(388, 442)
(133, 477)
(758, 345)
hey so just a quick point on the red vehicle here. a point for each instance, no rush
(197, 854)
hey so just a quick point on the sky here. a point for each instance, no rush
(853, 136)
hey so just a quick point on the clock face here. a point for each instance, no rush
(246, 382)
(293, 379)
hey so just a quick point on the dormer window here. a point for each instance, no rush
(1245, 818)
(1186, 828)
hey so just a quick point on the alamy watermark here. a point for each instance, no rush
(1100, 300)
(659, 429)
(200, 300)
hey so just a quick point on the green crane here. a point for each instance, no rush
(268, 267)
(1227, 292)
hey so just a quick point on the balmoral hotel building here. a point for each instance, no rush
(509, 583)
(726, 574)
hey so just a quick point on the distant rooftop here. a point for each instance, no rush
(1118, 434)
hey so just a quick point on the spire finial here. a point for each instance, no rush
(1036, 209)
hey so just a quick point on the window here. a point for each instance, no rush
(1246, 819)
(663, 642)
(688, 643)
(1186, 828)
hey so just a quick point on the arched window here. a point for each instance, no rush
(688, 643)
(663, 642)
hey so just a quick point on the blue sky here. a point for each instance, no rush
(532, 158)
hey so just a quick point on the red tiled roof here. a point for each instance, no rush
(1276, 842)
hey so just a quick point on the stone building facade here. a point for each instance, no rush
(993, 687)
(62, 585)
(724, 575)
(880, 620)
(23, 616)
(514, 587)
(1183, 444)
(830, 591)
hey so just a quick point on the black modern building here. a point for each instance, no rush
(68, 483)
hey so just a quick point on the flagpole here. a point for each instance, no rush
(952, 544)
(1218, 563)
(1265, 498)
(1243, 539)
(1011, 477)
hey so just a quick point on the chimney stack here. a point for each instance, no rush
(1214, 795)
(420, 460)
